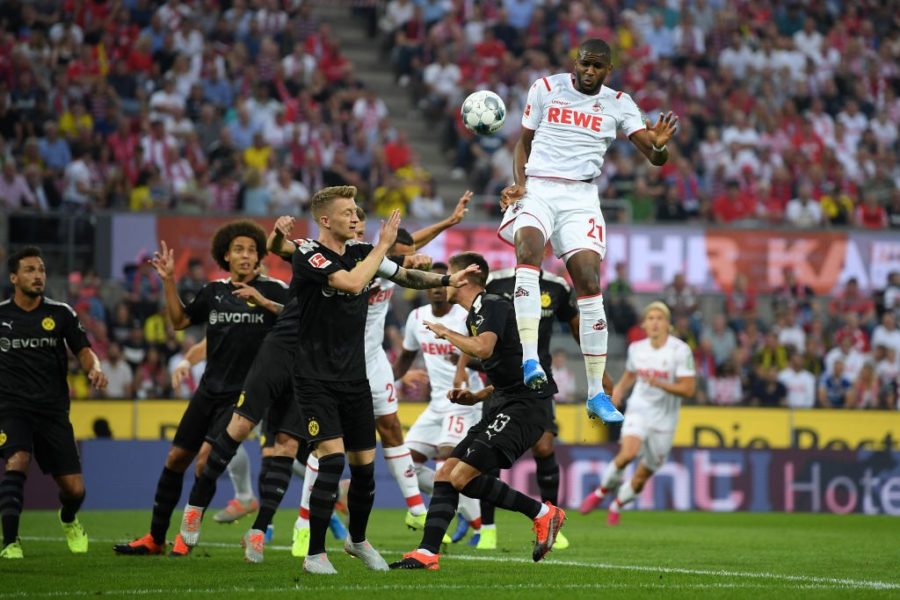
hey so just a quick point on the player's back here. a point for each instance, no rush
(379, 295)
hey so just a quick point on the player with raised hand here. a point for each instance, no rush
(661, 370)
(239, 311)
(514, 422)
(331, 277)
(569, 121)
(35, 332)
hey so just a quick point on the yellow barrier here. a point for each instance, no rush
(708, 427)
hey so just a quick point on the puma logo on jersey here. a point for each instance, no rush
(600, 325)
(521, 292)
(6, 324)
(567, 116)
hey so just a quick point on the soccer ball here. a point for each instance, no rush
(483, 112)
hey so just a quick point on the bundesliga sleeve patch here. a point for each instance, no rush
(319, 261)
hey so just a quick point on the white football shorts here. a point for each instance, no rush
(567, 212)
(433, 429)
(655, 443)
(381, 382)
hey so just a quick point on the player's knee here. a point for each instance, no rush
(178, 459)
(444, 472)
(389, 430)
(73, 488)
(240, 427)
(285, 445)
(544, 447)
(529, 246)
(19, 461)
(418, 457)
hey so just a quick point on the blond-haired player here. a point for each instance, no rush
(660, 368)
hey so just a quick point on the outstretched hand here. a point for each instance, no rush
(164, 261)
(462, 207)
(510, 194)
(458, 279)
(389, 228)
(663, 130)
(284, 225)
(440, 331)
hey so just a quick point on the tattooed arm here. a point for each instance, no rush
(423, 280)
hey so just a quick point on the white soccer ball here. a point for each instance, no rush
(483, 112)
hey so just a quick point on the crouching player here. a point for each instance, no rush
(513, 424)
(661, 370)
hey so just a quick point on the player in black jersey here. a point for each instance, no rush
(558, 304)
(512, 423)
(239, 311)
(331, 277)
(34, 398)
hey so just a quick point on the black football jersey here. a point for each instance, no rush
(493, 313)
(235, 329)
(33, 359)
(558, 303)
(331, 344)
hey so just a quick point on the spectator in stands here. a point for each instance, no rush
(891, 294)
(118, 372)
(887, 334)
(14, 191)
(804, 211)
(870, 214)
(722, 340)
(565, 379)
(767, 391)
(853, 301)
(286, 195)
(770, 355)
(54, 149)
(733, 205)
(794, 296)
(834, 387)
(790, 334)
(143, 293)
(865, 392)
(725, 387)
(427, 205)
(852, 358)
(151, 379)
(683, 300)
(799, 383)
(740, 303)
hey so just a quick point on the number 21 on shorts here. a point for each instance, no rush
(595, 230)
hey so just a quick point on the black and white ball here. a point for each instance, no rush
(483, 112)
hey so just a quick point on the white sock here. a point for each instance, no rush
(527, 302)
(239, 472)
(425, 476)
(491, 526)
(594, 337)
(424, 551)
(470, 508)
(299, 469)
(544, 510)
(611, 480)
(626, 494)
(400, 464)
(312, 471)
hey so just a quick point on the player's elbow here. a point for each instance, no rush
(483, 353)
(690, 388)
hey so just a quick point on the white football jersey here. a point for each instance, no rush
(380, 293)
(437, 353)
(573, 130)
(674, 359)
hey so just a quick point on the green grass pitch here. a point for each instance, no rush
(663, 553)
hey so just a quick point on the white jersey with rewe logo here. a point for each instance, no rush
(672, 360)
(438, 353)
(574, 130)
(380, 292)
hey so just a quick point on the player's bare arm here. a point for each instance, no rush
(250, 293)
(466, 398)
(195, 354)
(629, 378)
(520, 157)
(403, 363)
(683, 386)
(164, 262)
(423, 280)
(426, 234)
(91, 365)
(417, 261)
(480, 346)
(278, 242)
(356, 280)
(652, 141)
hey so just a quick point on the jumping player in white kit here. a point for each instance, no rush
(443, 424)
(569, 121)
(661, 369)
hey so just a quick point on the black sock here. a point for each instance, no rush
(168, 492)
(503, 496)
(441, 509)
(487, 507)
(321, 500)
(360, 497)
(265, 464)
(12, 495)
(223, 450)
(70, 506)
(278, 471)
(548, 478)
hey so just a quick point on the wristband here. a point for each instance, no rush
(655, 149)
(445, 280)
(183, 363)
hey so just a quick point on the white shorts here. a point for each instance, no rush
(381, 382)
(567, 212)
(655, 443)
(433, 429)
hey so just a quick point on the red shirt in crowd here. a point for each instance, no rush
(733, 206)
(871, 217)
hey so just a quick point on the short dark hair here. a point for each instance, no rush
(360, 213)
(439, 266)
(404, 237)
(595, 46)
(464, 259)
(12, 263)
(223, 237)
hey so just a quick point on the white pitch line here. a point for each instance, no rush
(828, 582)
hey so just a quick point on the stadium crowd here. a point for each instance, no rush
(789, 110)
